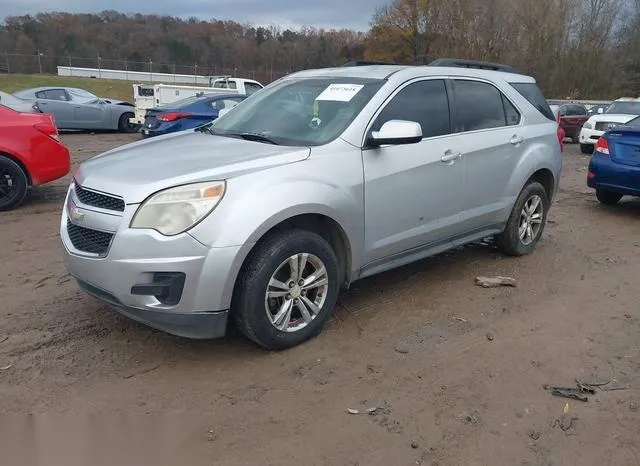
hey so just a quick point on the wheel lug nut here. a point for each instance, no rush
(291, 284)
(288, 296)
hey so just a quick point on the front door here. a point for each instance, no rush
(412, 192)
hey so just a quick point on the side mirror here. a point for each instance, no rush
(601, 110)
(396, 132)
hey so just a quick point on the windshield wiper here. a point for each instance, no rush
(257, 137)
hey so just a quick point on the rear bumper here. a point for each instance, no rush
(51, 162)
(606, 174)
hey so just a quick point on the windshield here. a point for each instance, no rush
(303, 112)
(625, 108)
(81, 93)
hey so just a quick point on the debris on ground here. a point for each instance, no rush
(400, 348)
(472, 419)
(6, 368)
(495, 282)
(634, 406)
(534, 434)
(568, 392)
(415, 445)
(369, 411)
(490, 337)
(459, 319)
(567, 419)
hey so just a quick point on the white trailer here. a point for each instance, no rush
(148, 96)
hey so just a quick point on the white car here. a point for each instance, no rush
(618, 113)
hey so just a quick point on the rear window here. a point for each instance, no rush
(531, 92)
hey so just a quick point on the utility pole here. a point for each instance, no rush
(40, 61)
(99, 66)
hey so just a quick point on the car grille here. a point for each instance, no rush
(604, 125)
(88, 240)
(99, 200)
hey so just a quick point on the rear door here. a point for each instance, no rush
(489, 129)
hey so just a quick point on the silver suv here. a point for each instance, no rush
(322, 178)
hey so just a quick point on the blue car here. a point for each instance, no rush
(188, 113)
(614, 169)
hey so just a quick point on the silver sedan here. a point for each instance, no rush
(75, 108)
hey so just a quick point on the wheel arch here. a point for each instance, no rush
(545, 177)
(20, 164)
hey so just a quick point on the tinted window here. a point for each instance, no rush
(478, 106)
(625, 108)
(531, 92)
(635, 123)
(224, 103)
(424, 102)
(53, 94)
(576, 110)
(513, 116)
(251, 88)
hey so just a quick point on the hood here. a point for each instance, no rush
(138, 170)
(612, 117)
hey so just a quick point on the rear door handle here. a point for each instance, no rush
(450, 156)
(515, 140)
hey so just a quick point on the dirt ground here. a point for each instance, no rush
(455, 371)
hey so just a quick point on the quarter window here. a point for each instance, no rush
(479, 106)
(423, 102)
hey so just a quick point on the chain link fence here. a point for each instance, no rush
(48, 64)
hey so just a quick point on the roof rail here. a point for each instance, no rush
(483, 65)
(366, 63)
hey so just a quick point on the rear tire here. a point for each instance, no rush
(125, 126)
(267, 286)
(13, 184)
(586, 148)
(526, 222)
(608, 197)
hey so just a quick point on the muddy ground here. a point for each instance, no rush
(456, 371)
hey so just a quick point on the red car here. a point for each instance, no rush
(31, 154)
(572, 117)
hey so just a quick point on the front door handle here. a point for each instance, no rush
(515, 140)
(450, 156)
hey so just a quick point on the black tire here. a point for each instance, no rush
(125, 126)
(13, 184)
(509, 241)
(576, 138)
(608, 197)
(249, 308)
(586, 148)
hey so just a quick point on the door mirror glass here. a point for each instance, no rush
(395, 132)
(601, 110)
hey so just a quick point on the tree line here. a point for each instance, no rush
(574, 48)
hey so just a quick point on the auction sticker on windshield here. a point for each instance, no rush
(340, 92)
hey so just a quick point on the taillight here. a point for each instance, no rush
(602, 146)
(48, 129)
(172, 116)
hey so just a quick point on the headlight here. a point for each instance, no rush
(587, 125)
(176, 210)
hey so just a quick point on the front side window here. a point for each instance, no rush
(478, 106)
(423, 102)
(224, 103)
(53, 94)
(250, 88)
(299, 112)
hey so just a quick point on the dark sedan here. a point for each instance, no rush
(188, 113)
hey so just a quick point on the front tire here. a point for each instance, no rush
(287, 290)
(586, 148)
(608, 197)
(13, 184)
(125, 126)
(526, 222)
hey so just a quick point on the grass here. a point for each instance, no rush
(114, 89)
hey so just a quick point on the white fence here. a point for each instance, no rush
(136, 76)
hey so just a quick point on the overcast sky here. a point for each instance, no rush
(329, 14)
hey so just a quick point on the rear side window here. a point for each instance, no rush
(53, 94)
(478, 106)
(424, 102)
(531, 92)
(250, 88)
(635, 123)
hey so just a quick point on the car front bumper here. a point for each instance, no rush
(133, 261)
(589, 136)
